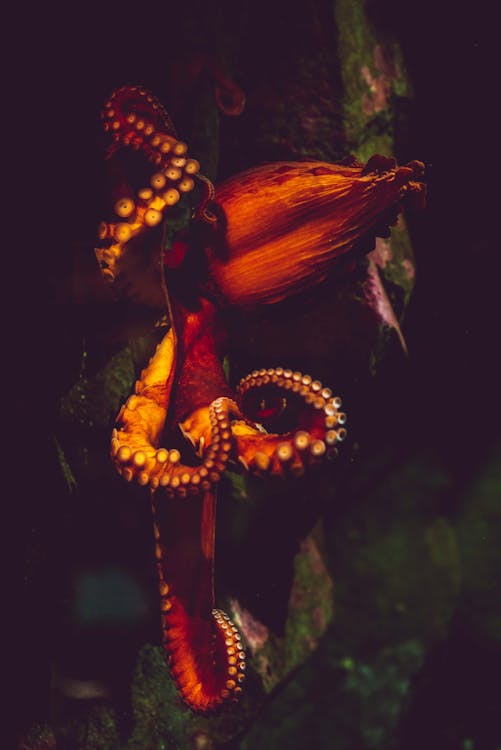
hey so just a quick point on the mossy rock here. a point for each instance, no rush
(397, 565)
(339, 701)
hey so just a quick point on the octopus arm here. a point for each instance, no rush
(135, 442)
(316, 416)
(203, 647)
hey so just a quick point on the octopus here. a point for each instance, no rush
(260, 237)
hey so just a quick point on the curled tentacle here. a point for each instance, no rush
(135, 119)
(203, 211)
(138, 458)
(204, 649)
(277, 397)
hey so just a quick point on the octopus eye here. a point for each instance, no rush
(271, 408)
(276, 410)
(264, 405)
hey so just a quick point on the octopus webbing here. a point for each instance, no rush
(270, 233)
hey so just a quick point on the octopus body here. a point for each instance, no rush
(271, 233)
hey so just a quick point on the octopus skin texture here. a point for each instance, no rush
(266, 235)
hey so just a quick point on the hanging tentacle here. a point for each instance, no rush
(204, 649)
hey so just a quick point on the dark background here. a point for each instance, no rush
(67, 59)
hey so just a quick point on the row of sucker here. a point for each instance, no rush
(236, 665)
(294, 454)
(183, 665)
(161, 468)
(174, 635)
(134, 117)
(163, 586)
(173, 639)
(174, 176)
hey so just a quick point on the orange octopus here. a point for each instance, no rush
(270, 233)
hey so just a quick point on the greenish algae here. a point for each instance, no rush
(373, 76)
(397, 565)
(400, 269)
(311, 606)
(309, 614)
(96, 730)
(161, 720)
(95, 399)
(357, 701)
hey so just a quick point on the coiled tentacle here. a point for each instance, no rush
(139, 459)
(135, 119)
(312, 416)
